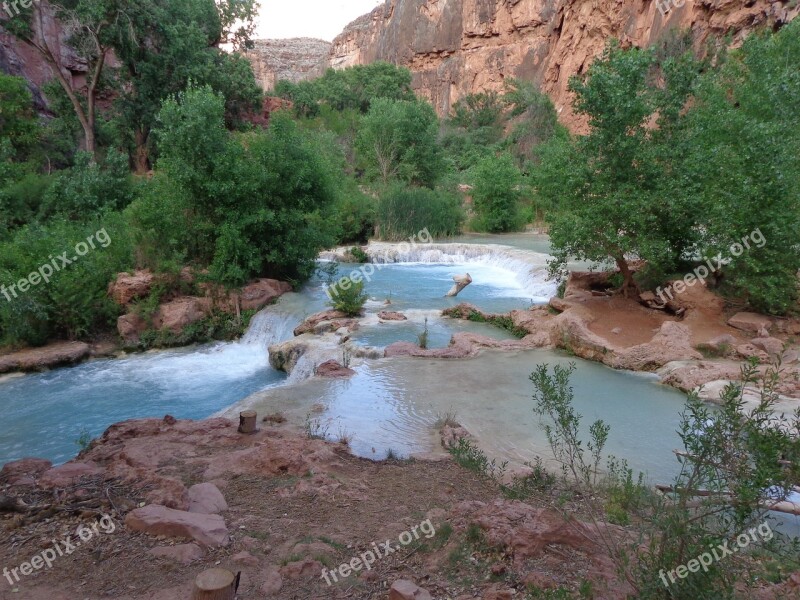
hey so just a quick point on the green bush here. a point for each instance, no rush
(405, 211)
(347, 296)
(241, 205)
(74, 303)
(89, 188)
(496, 195)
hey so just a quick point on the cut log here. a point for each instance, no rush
(215, 584)
(247, 421)
(462, 281)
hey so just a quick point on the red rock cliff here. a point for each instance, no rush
(457, 47)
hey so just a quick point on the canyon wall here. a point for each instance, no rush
(458, 47)
(294, 59)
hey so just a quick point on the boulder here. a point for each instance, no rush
(389, 315)
(258, 294)
(130, 327)
(403, 589)
(284, 356)
(311, 322)
(180, 313)
(333, 370)
(47, 357)
(68, 474)
(752, 322)
(208, 530)
(182, 553)
(25, 469)
(206, 498)
(129, 287)
(721, 341)
(770, 345)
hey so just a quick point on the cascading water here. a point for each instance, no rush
(45, 414)
(510, 272)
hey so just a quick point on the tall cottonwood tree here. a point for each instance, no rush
(159, 46)
(87, 27)
(172, 43)
(613, 188)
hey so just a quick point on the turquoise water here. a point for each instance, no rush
(45, 414)
(389, 402)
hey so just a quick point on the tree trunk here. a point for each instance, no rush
(215, 584)
(247, 421)
(461, 281)
(141, 156)
(628, 283)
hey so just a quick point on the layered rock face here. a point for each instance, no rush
(293, 59)
(19, 59)
(458, 47)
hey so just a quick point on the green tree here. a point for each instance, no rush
(91, 26)
(166, 44)
(18, 120)
(496, 194)
(740, 161)
(243, 205)
(612, 188)
(398, 140)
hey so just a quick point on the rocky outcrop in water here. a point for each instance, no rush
(458, 47)
(293, 59)
(176, 312)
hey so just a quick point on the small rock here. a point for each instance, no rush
(770, 345)
(333, 370)
(208, 530)
(389, 315)
(245, 558)
(403, 589)
(747, 321)
(207, 499)
(182, 553)
(302, 568)
(721, 341)
(616, 330)
(790, 357)
(273, 583)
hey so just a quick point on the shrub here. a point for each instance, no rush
(89, 189)
(405, 211)
(496, 195)
(74, 303)
(347, 296)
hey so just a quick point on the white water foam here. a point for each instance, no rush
(503, 267)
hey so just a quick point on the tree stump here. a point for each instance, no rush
(461, 281)
(247, 421)
(215, 584)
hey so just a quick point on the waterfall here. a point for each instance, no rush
(529, 267)
(269, 327)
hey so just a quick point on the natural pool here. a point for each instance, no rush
(390, 403)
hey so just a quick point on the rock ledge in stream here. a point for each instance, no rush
(40, 359)
(333, 370)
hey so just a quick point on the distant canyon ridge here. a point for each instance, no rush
(459, 47)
